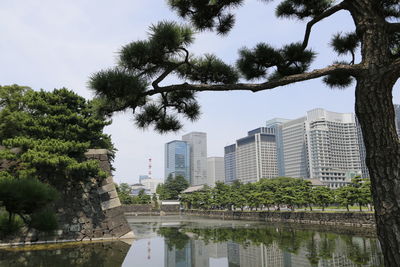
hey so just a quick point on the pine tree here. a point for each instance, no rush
(135, 82)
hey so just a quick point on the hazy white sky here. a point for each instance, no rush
(52, 44)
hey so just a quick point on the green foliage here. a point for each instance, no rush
(302, 9)
(55, 131)
(322, 196)
(291, 59)
(124, 193)
(172, 187)
(44, 220)
(10, 225)
(207, 15)
(25, 196)
(344, 44)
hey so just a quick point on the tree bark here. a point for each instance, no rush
(374, 109)
(375, 113)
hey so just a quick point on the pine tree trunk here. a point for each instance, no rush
(375, 112)
(374, 109)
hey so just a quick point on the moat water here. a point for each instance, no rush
(197, 242)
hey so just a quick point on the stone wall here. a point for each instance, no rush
(353, 219)
(87, 210)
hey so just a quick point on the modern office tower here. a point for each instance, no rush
(323, 145)
(215, 170)
(256, 156)
(230, 163)
(198, 157)
(333, 147)
(276, 124)
(143, 177)
(295, 148)
(177, 159)
(178, 257)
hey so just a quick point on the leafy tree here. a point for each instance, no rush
(143, 65)
(27, 198)
(172, 187)
(322, 196)
(56, 130)
(44, 136)
(346, 196)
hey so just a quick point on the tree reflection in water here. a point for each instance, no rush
(316, 248)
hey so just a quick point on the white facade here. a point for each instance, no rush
(256, 156)
(323, 145)
(198, 157)
(295, 148)
(151, 184)
(215, 170)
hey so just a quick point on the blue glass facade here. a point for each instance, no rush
(177, 159)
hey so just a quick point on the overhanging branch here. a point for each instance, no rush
(255, 87)
(325, 14)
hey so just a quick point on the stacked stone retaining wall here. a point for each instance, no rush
(353, 219)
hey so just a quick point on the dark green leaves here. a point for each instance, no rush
(345, 44)
(207, 14)
(208, 69)
(302, 9)
(289, 60)
(338, 79)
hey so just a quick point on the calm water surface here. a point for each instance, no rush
(197, 242)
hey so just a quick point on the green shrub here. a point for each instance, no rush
(44, 220)
(8, 227)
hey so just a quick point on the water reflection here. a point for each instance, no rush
(108, 254)
(267, 246)
(194, 242)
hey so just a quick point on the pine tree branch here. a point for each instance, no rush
(325, 14)
(255, 87)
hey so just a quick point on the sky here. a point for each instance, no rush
(47, 44)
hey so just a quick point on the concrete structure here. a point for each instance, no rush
(295, 148)
(230, 163)
(323, 145)
(215, 170)
(198, 157)
(177, 159)
(256, 156)
(136, 188)
(276, 125)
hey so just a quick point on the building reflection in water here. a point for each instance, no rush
(322, 250)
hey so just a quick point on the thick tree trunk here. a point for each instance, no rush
(374, 109)
(375, 112)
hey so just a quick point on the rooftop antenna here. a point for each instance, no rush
(149, 167)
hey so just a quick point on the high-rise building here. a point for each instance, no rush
(198, 157)
(295, 148)
(215, 170)
(230, 163)
(177, 159)
(256, 156)
(276, 124)
(323, 145)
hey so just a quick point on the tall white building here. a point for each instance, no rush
(215, 170)
(323, 145)
(256, 156)
(198, 157)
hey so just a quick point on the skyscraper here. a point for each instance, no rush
(198, 157)
(177, 159)
(276, 124)
(323, 145)
(215, 170)
(256, 156)
(230, 163)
